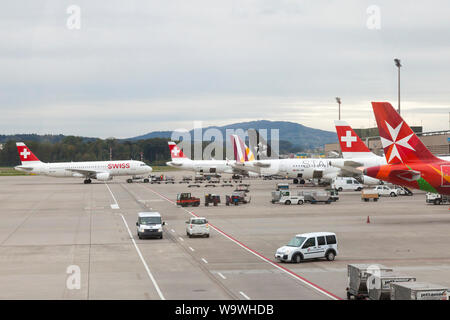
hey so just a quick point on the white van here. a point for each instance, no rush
(346, 183)
(149, 225)
(309, 246)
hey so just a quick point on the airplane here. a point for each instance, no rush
(181, 161)
(298, 169)
(409, 162)
(100, 170)
(356, 155)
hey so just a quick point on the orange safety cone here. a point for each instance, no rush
(368, 219)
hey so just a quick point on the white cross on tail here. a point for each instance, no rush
(348, 139)
(25, 153)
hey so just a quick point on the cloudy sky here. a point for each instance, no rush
(140, 66)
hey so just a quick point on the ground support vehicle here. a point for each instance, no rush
(187, 200)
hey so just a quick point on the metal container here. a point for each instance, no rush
(357, 277)
(418, 291)
(379, 286)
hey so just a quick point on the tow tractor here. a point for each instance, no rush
(292, 199)
(437, 198)
(237, 197)
(185, 199)
(212, 198)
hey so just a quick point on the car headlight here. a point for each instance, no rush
(142, 229)
(160, 230)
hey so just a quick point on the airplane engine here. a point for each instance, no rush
(103, 176)
(77, 175)
(370, 181)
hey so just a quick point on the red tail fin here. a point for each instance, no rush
(25, 154)
(400, 143)
(350, 142)
(175, 151)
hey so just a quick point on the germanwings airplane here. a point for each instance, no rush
(181, 161)
(356, 155)
(409, 162)
(100, 170)
(298, 169)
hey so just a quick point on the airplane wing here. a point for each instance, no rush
(261, 164)
(25, 168)
(348, 166)
(176, 164)
(242, 167)
(86, 173)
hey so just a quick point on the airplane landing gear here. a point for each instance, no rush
(86, 181)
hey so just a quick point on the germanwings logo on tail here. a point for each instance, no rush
(242, 153)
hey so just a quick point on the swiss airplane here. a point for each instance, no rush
(100, 170)
(181, 161)
(409, 162)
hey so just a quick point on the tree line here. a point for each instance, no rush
(70, 148)
(155, 151)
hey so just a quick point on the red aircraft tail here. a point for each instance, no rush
(175, 151)
(351, 144)
(25, 154)
(400, 143)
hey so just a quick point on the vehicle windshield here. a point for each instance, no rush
(296, 241)
(149, 220)
(198, 221)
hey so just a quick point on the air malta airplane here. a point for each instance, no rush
(181, 161)
(356, 155)
(409, 162)
(100, 170)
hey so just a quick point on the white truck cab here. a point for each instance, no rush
(309, 246)
(149, 225)
(290, 198)
(197, 226)
(346, 183)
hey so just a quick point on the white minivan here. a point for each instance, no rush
(149, 225)
(309, 246)
(197, 226)
(346, 183)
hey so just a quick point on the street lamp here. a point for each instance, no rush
(398, 65)
(338, 100)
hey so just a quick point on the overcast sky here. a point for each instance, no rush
(140, 66)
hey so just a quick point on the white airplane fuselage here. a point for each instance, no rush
(106, 169)
(294, 168)
(203, 166)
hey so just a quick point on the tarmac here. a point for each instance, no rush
(50, 227)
